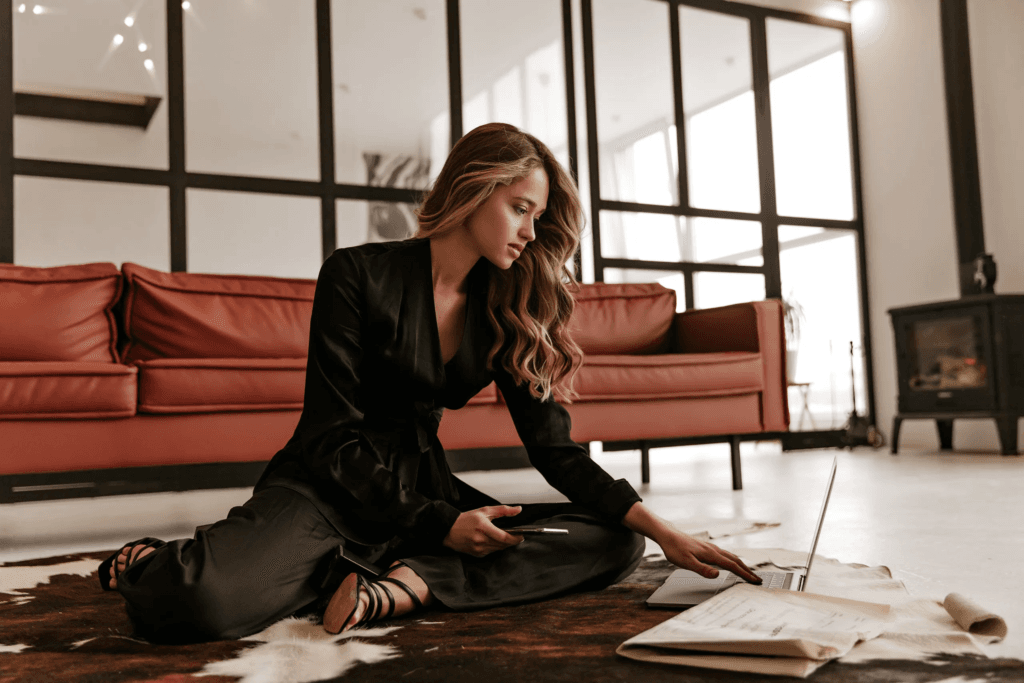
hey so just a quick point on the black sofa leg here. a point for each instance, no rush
(737, 474)
(1007, 434)
(945, 429)
(645, 463)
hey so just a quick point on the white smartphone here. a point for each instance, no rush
(523, 530)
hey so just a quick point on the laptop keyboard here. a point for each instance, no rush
(772, 579)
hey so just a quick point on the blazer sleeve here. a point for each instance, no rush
(544, 428)
(337, 450)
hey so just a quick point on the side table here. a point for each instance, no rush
(804, 388)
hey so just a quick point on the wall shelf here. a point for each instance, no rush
(90, 106)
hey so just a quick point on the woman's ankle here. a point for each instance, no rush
(410, 578)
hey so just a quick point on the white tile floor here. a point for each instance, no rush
(941, 522)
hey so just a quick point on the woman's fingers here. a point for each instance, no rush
(703, 558)
(499, 537)
(495, 511)
(727, 560)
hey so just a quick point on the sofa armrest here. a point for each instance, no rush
(753, 327)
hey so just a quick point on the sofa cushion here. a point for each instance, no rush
(215, 385)
(59, 314)
(194, 315)
(32, 390)
(625, 378)
(623, 318)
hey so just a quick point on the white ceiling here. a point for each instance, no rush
(251, 69)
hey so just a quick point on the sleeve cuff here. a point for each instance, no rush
(437, 520)
(616, 501)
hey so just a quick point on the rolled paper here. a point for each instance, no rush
(974, 618)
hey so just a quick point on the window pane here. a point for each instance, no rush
(250, 89)
(659, 237)
(253, 234)
(64, 222)
(669, 279)
(635, 110)
(827, 320)
(386, 104)
(719, 240)
(644, 236)
(74, 46)
(513, 68)
(718, 101)
(810, 121)
(722, 289)
(361, 221)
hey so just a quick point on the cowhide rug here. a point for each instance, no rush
(57, 625)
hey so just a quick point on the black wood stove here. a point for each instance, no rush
(961, 359)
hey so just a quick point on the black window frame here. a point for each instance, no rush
(768, 216)
(178, 180)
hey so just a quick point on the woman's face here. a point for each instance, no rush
(504, 224)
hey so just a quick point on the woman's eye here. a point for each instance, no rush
(521, 211)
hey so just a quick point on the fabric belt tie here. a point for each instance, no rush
(426, 448)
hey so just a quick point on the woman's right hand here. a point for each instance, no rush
(473, 533)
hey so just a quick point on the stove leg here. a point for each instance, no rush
(945, 428)
(645, 463)
(1007, 434)
(897, 422)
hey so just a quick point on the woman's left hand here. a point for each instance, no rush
(702, 557)
(684, 550)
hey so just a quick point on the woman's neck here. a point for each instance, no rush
(452, 256)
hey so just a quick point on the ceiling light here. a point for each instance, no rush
(118, 39)
(38, 9)
(129, 21)
(143, 47)
(186, 5)
(21, 8)
(148, 64)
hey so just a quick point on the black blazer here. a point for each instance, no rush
(365, 450)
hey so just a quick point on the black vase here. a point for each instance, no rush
(984, 274)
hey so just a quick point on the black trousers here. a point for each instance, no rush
(253, 568)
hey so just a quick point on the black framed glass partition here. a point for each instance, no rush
(758, 104)
(721, 142)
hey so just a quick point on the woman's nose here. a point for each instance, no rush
(529, 233)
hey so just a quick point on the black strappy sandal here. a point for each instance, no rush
(375, 600)
(111, 562)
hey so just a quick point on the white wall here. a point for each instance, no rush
(997, 68)
(908, 205)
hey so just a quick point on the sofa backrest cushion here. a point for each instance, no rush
(195, 315)
(623, 318)
(63, 313)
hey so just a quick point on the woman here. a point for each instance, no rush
(399, 331)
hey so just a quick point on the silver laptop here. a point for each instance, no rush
(684, 588)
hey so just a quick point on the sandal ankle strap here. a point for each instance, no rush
(391, 601)
(401, 584)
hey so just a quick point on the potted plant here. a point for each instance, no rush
(792, 315)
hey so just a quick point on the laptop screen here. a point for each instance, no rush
(817, 529)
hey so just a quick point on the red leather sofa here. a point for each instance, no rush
(135, 380)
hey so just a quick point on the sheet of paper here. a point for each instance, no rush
(916, 627)
(749, 619)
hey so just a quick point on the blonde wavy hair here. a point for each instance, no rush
(529, 304)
